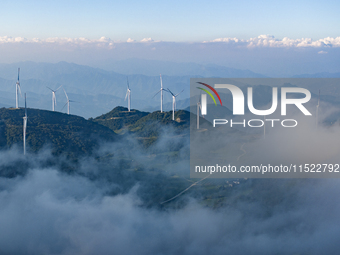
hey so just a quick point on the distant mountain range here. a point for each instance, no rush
(154, 67)
(96, 91)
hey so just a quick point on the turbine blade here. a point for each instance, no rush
(63, 106)
(157, 93)
(169, 91)
(58, 88)
(127, 79)
(19, 90)
(50, 89)
(127, 92)
(179, 93)
(18, 73)
(65, 94)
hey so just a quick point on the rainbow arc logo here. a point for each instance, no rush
(203, 102)
(209, 93)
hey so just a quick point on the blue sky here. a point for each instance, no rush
(179, 21)
(278, 38)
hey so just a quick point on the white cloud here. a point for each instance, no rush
(104, 39)
(322, 52)
(8, 39)
(147, 40)
(271, 41)
(59, 40)
(227, 40)
(260, 41)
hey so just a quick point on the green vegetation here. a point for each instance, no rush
(150, 124)
(119, 118)
(143, 125)
(65, 134)
(75, 136)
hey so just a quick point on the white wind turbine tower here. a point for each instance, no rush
(317, 111)
(174, 102)
(128, 95)
(67, 103)
(161, 90)
(25, 126)
(17, 91)
(54, 99)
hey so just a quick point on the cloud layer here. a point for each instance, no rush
(260, 41)
(101, 209)
(47, 212)
(271, 41)
(264, 54)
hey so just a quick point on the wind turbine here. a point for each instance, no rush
(25, 126)
(161, 90)
(174, 102)
(67, 103)
(17, 91)
(54, 99)
(128, 94)
(317, 111)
